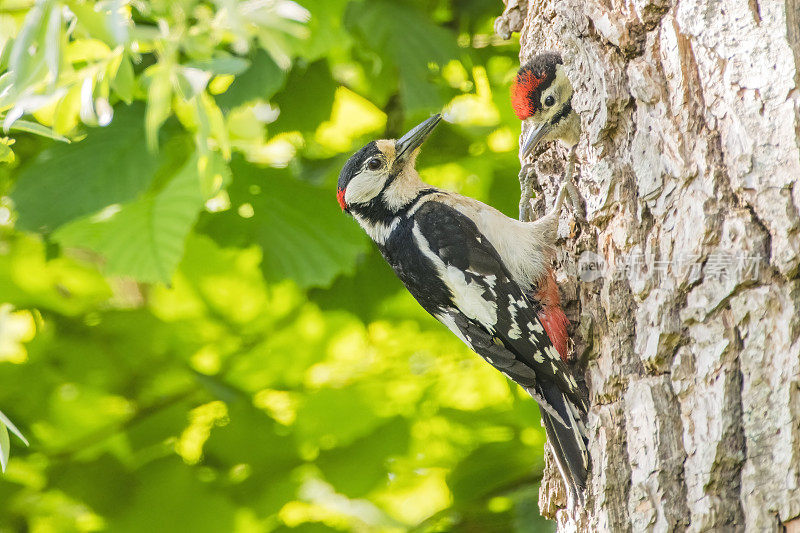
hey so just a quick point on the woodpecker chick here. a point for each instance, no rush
(485, 276)
(541, 94)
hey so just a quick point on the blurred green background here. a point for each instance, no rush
(193, 337)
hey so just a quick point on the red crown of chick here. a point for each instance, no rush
(531, 79)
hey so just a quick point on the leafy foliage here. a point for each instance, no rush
(192, 335)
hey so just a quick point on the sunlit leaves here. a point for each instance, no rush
(16, 328)
(374, 451)
(261, 80)
(324, 421)
(351, 117)
(63, 285)
(159, 101)
(411, 42)
(34, 60)
(109, 22)
(328, 36)
(38, 129)
(230, 395)
(64, 182)
(307, 98)
(144, 238)
(225, 282)
(309, 241)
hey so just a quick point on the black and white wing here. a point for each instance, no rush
(493, 316)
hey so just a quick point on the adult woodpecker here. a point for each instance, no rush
(541, 95)
(485, 276)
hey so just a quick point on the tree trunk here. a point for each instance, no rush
(690, 339)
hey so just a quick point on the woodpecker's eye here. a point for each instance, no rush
(549, 101)
(374, 163)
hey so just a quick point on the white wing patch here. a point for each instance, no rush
(514, 332)
(572, 383)
(552, 352)
(467, 295)
(535, 327)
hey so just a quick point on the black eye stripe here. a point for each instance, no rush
(565, 110)
(357, 163)
(366, 166)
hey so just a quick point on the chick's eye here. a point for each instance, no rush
(374, 164)
(549, 101)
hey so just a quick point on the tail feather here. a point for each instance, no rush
(569, 448)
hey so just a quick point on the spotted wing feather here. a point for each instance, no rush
(456, 242)
(492, 314)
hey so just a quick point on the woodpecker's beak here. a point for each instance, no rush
(534, 137)
(412, 140)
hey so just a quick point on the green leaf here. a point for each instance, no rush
(6, 153)
(300, 227)
(172, 496)
(411, 41)
(124, 81)
(102, 21)
(251, 438)
(5, 447)
(325, 418)
(490, 467)
(145, 238)
(64, 182)
(159, 100)
(221, 64)
(262, 80)
(5, 444)
(25, 68)
(37, 129)
(357, 478)
(328, 37)
(5, 420)
(307, 99)
(103, 483)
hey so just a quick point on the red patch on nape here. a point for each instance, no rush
(340, 199)
(552, 316)
(522, 92)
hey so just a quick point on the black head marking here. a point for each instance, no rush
(533, 78)
(354, 164)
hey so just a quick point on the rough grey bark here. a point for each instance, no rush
(689, 165)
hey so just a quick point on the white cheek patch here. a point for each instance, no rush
(363, 188)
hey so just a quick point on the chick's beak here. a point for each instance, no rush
(412, 140)
(533, 137)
